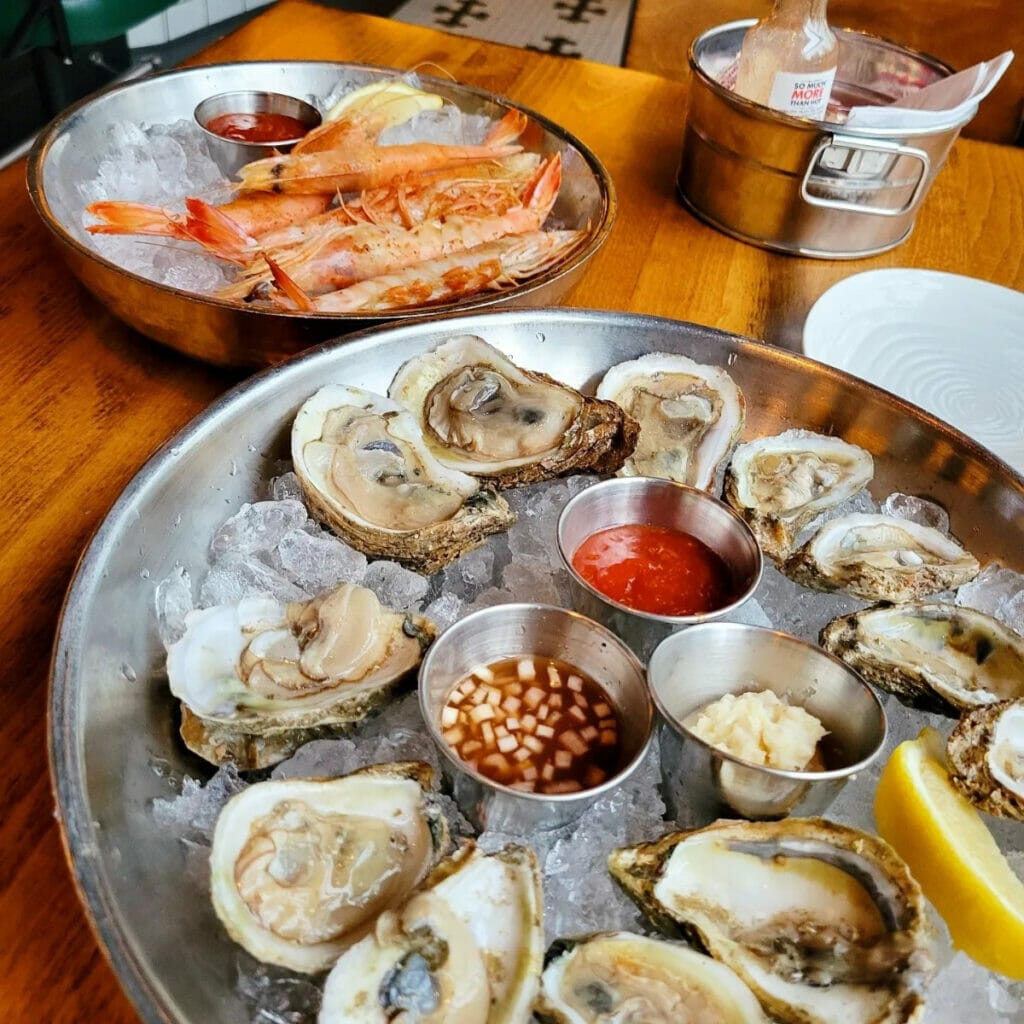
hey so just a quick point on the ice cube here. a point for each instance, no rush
(230, 579)
(443, 611)
(173, 600)
(997, 591)
(321, 759)
(320, 561)
(274, 995)
(917, 510)
(193, 813)
(257, 528)
(397, 588)
(529, 579)
(284, 487)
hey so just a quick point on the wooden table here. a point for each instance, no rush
(86, 400)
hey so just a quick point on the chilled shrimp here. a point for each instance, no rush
(494, 265)
(340, 257)
(481, 189)
(344, 222)
(361, 167)
(229, 231)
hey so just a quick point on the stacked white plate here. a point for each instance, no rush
(950, 344)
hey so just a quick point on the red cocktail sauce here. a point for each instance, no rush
(654, 569)
(257, 127)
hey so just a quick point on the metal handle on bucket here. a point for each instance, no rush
(875, 146)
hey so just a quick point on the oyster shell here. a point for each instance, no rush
(367, 472)
(482, 414)
(823, 922)
(619, 977)
(260, 678)
(300, 868)
(689, 414)
(934, 656)
(466, 949)
(881, 558)
(985, 753)
(779, 484)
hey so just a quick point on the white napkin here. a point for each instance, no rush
(938, 105)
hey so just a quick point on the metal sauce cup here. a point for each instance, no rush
(509, 631)
(230, 154)
(654, 502)
(690, 670)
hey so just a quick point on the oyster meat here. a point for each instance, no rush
(985, 753)
(367, 472)
(689, 414)
(934, 656)
(260, 678)
(881, 558)
(619, 978)
(779, 484)
(482, 414)
(823, 922)
(465, 949)
(300, 868)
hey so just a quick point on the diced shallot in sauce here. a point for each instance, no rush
(506, 720)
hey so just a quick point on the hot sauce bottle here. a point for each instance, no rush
(788, 61)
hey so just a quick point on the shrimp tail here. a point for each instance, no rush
(508, 129)
(133, 219)
(291, 290)
(217, 232)
(543, 188)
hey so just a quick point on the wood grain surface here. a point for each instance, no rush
(86, 400)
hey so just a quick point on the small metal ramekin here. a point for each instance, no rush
(691, 669)
(508, 631)
(655, 502)
(231, 155)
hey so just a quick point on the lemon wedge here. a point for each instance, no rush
(952, 855)
(399, 100)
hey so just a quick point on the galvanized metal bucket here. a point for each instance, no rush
(811, 188)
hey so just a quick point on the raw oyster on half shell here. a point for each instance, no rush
(779, 484)
(620, 978)
(367, 472)
(985, 753)
(300, 868)
(881, 558)
(465, 949)
(481, 414)
(689, 414)
(931, 655)
(823, 922)
(260, 678)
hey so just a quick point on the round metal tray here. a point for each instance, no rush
(232, 334)
(111, 714)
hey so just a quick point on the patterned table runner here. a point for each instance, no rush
(595, 30)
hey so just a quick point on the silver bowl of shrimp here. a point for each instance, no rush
(415, 196)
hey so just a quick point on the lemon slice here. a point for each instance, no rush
(952, 855)
(400, 101)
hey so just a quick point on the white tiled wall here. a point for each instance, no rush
(185, 17)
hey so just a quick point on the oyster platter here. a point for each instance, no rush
(270, 823)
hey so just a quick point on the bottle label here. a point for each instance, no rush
(803, 95)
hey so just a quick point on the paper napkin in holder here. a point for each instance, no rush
(939, 105)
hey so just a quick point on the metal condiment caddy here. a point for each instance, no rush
(810, 188)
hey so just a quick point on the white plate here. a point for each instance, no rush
(952, 345)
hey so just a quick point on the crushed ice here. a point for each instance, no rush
(273, 544)
(997, 591)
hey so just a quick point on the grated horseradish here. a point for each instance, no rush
(760, 728)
